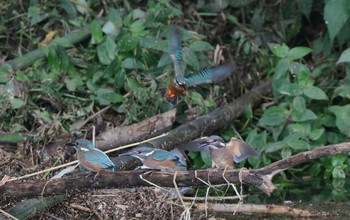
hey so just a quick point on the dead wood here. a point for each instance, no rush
(257, 209)
(260, 178)
(150, 127)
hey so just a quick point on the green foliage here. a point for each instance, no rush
(126, 61)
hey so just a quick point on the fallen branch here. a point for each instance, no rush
(29, 58)
(258, 209)
(150, 127)
(260, 178)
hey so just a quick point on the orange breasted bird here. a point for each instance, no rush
(92, 158)
(152, 158)
(224, 154)
(180, 84)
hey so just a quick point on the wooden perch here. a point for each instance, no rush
(260, 178)
(150, 127)
(257, 209)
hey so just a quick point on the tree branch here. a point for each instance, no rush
(260, 178)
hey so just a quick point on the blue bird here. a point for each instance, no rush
(92, 158)
(152, 158)
(180, 84)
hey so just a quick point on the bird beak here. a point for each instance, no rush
(73, 144)
(204, 144)
(126, 153)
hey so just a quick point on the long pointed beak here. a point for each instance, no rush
(126, 154)
(71, 144)
(204, 144)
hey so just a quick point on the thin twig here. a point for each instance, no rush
(8, 215)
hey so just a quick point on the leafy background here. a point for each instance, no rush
(301, 45)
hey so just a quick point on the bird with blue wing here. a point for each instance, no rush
(92, 158)
(153, 158)
(180, 84)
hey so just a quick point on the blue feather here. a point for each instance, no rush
(213, 75)
(176, 53)
(96, 156)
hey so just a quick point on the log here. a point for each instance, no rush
(260, 178)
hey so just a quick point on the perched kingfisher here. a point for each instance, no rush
(180, 84)
(224, 154)
(152, 158)
(92, 158)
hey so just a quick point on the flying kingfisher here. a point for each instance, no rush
(180, 84)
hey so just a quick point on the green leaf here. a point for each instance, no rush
(298, 52)
(103, 54)
(305, 6)
(110, 29)
(17, 103)
(72, 84)
(133, 84)
(196, 97)
(344, 57)
(290, 89)
(302, 129)
(4, 77)
(299, 145)
(154, 43)
(138, 13)
(138, 26)
(342, 115)
(338, 173)
(316, 134)
(303, 74)
(299, 104)
(190, 58)
(200, 46)
(335, 15)
(35, 14)
(129, 63)
(274, 116)
(96, 31)
(206, 158)
(258, 141)
(339, 160)
(192, 154)
(303, 116)
(286, 152)
(282, 67)
(314, 92)
(279, 50)
(110, 47)
(127, 42)
(274, 146)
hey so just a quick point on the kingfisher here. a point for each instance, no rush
(224, 154)
(92, 158)
(158, 159)
(180, 84)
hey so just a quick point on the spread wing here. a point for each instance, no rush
(213, 75)
(240, 150)
(98, 157)
(176, 54)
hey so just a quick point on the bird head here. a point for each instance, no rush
(82, 145)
